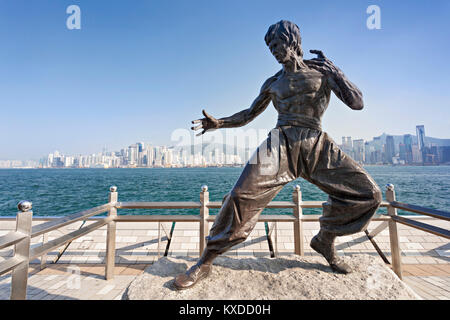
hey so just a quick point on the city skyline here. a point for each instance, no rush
(141, 70)
(412, 149)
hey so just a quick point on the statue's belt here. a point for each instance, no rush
(299, 121)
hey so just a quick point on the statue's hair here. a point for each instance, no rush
(287, 31)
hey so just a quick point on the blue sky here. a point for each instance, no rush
(138, 70)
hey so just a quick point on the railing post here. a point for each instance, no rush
(393, 233)
(19, 276)
(111, 236)
(204, 213)
(298, 225)
(44, 256)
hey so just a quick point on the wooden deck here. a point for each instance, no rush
(430, 281)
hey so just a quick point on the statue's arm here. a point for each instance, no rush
(243, 117)
(343, 88)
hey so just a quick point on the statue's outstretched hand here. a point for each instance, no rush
(322, 64)
(207, 123)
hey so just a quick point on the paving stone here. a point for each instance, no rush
(413, 246)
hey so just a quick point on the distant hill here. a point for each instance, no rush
(241, 151)
(428, 140)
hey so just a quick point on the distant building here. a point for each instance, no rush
(358, 150)
(389, 149)
(420, 130)
(408, 142)
(444, 154)
(402, 151)
(133, 154)
(347, 146)
(368, 150)
(416, 154)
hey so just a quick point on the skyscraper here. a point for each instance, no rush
(133, 154)
(407, 141)
(421, 137)
(389, 150)
(347, 145)
(358, 150)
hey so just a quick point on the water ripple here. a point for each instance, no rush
(64, 191)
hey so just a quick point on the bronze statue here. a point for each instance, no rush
(300, 92)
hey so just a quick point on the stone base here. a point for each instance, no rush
(285, 278)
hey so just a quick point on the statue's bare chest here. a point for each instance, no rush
(297, 84)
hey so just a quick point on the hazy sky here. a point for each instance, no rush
(138, 70)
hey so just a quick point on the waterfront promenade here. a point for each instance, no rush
(79, 272)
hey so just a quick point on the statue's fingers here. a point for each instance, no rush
(197, 127)
(319, 53)
(199, 134)
(206, 114)
(196, 121)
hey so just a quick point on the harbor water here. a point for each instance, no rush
(59, 192)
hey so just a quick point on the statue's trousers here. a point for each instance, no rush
(288, 153)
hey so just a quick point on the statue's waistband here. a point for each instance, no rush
(299, 121)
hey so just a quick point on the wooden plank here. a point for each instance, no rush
(11, 238)
(11, 263)
(158, 218)
(423, 226)
(429, 287)
(430, 269)
(444, 267)
(276, 204)
(305, 217)
(211, 204)
(158, 205)
(384, 204)
(425, 211)
(418, 288)
(56, 243)
(61, 222)
(276, 218)
(265, 218)
(443, 287)
(287, 204)
(316, 217)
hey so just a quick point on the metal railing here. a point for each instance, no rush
(23, 253)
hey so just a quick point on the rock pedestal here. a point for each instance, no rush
(283, 278)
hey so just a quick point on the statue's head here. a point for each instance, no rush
(284, 41)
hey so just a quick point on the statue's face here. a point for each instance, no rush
(281, 51)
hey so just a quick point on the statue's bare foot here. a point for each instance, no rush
(327, 250)
(192, 276)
